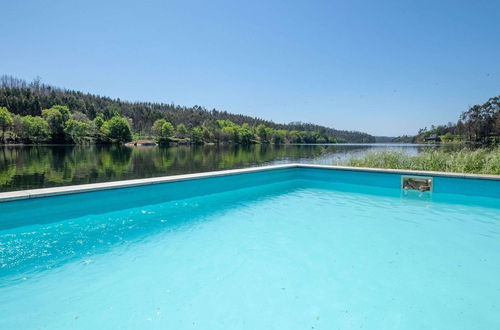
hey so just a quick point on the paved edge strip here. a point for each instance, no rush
(65, 190)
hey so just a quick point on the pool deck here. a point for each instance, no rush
(64, 190)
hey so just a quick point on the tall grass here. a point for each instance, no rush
(481, 161)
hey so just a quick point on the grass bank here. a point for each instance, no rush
(480, 161)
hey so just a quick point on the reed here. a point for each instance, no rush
(479, 161)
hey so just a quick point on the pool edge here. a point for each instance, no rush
(75, 189)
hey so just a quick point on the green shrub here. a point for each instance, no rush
(55, 119)
(6, 121)
(163, 130)
(116, 130)
(34, 129)
(77, 130)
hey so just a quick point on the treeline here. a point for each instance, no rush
(29, 99)
(480, 124)
(59, 124)
(225, 131)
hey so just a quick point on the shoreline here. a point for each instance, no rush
(83, 188)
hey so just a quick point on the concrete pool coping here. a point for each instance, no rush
(74, 189)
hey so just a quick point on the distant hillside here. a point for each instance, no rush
(480, 124)
(384, 139)
(23, 98)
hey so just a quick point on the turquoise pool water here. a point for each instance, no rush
(288, 249)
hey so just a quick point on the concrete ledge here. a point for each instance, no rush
(46, 192)
(405, 172)
(65, 190)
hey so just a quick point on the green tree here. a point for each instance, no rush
(167, 130)
(163, 130)
(80, 116)
(182, 131)
(99, 121)
(295, 137)
(64, 110)
(116, 130)
(482, 122)
(35, 129)
(17, 127)
(208, 134)
(231, 134)
(224, 123)
(262, 133)
(55, 120)
(279, 136)
(111, 110)
(6, 121)
(77, 130)
(246, 134)
(157, 126)
(197, 135)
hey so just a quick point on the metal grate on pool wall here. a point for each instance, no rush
(419, 183)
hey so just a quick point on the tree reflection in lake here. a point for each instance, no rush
(30, 167)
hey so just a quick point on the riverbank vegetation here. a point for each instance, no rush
(59, 124)
(88, 113)
(480, 124)
(480, 161)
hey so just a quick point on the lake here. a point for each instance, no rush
(30, 167)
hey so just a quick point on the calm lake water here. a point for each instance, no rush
(30, 167)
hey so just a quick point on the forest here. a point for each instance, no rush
(480, 124)
(33, 112)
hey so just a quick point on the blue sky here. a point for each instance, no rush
(383, 67)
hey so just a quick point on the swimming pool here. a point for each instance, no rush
(286, 247)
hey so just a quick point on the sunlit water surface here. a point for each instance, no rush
(290, 255)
